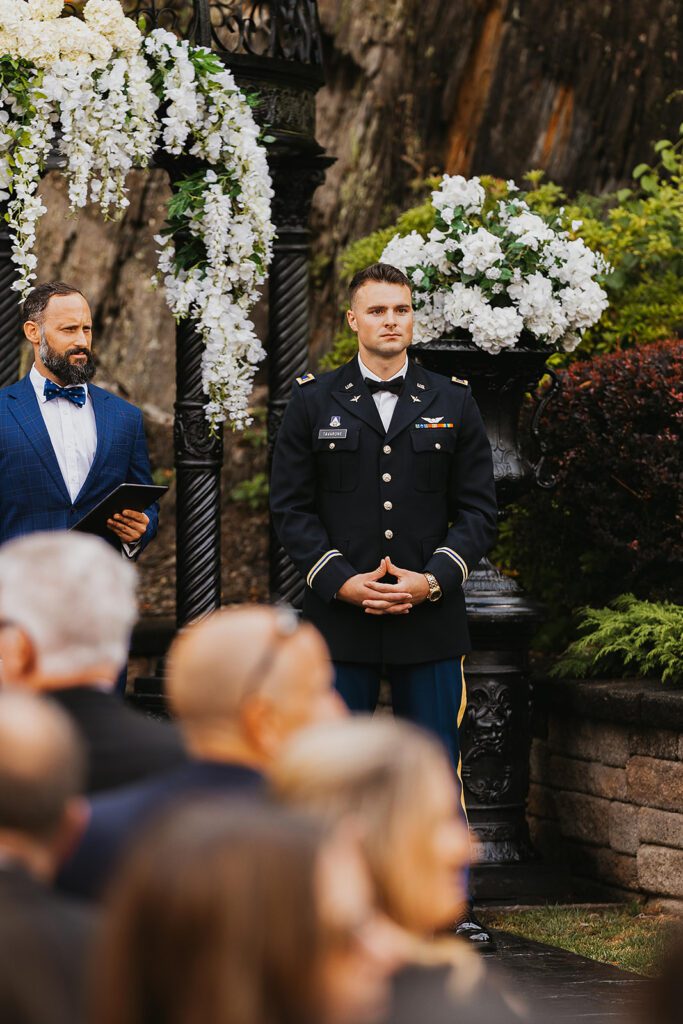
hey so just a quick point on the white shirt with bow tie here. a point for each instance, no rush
(72, 430)
(384, 400)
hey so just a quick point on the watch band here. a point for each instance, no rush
(435, 591)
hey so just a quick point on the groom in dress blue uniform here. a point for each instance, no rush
(382, 494)
(64, 443)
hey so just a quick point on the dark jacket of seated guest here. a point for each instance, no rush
(44, 942)
(117, 817)
(123, 746)
(44, 938)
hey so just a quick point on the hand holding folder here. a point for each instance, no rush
(133, 497)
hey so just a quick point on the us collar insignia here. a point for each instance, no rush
(335, 422)
(415, 398)
(427, 419)
(349, 385)
(422, 387)
(355, 398)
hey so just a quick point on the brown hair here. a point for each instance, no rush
(377, 272)
(37, 299)
(213, 918)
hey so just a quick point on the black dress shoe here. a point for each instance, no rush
(470, 927)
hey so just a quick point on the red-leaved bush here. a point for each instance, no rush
(614, 521)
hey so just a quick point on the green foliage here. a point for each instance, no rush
(639, 637)
(639, 231)
(252, 492)
(368, 250)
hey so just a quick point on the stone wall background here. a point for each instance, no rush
(606, 796)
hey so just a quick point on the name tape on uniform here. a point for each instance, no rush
(332, 433)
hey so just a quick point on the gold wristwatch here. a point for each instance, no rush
(435, 591)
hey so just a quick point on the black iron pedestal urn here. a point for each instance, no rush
(495, 736)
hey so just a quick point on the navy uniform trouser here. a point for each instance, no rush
(432, 694)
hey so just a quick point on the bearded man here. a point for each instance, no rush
(64, 443)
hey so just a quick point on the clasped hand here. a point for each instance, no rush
(365, 590)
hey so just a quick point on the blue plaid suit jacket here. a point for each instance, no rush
(33, 495)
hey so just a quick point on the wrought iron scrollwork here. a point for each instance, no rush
(284, 30)
(541, 476)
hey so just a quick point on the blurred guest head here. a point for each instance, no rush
(42, 772)
(243, 680)
(239, 914)
(67, 607)
(397, 781)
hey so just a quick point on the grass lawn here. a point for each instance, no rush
(622, 935)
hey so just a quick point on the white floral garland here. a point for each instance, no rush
(498, 270)
(93, 91)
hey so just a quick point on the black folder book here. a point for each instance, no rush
(134, 496)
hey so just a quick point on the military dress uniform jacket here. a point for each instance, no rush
(345, 492)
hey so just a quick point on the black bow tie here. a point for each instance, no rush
(395, 386)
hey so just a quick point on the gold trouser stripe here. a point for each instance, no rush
(455, 557)
(461, 715)
(321, 563)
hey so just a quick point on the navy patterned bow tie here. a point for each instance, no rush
(76, 394)
(395, 386)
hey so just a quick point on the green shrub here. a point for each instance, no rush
(632, 637)
(612, 523)
(253, 492)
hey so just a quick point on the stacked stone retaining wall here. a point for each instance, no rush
(606, 792)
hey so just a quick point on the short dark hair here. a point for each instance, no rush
(36, 301)
(377, 272)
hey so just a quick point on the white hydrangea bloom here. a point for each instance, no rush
(45, 10)
(12, 13)
(458, 191)
(480, 250)
(404, 251)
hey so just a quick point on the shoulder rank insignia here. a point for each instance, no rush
(306, 379)
(459, 380)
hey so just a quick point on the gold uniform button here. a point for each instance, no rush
(388, 506)
(332, 444)
(387, 449)
(437, 445)
(386, 477)
(388, 534)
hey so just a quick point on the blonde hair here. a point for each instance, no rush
(378, 770)
(375, 769)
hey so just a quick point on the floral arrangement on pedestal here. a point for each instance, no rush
(493, 267)
(105, 98)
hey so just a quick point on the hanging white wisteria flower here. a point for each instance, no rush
(104, 98)
(495, 269)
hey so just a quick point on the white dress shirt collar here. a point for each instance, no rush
(373, 376)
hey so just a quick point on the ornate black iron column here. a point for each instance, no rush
(9, 312)
(495, 736)
(198, 459)
(295, 182)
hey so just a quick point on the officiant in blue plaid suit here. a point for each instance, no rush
(65, 443)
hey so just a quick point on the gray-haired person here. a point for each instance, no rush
(67, 607)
